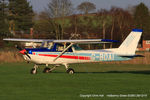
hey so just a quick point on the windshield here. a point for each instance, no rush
(47, 45)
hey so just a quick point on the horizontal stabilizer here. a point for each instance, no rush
(133, 56)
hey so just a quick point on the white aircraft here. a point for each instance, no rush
(65, 52)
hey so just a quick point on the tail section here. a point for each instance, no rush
(129, 45)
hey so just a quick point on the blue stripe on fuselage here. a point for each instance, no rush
(30, 50)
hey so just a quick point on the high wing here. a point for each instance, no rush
(80, 41)
(62, 41)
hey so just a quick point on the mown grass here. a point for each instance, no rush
(16, 83)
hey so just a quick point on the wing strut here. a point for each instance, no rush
(63, 52)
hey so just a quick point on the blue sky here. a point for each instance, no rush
(39, 5)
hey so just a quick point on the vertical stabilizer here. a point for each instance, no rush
(129, 45)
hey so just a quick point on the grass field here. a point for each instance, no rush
(16, 83)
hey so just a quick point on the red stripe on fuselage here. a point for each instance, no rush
(67, 56)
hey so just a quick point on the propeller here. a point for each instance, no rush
(23, 51)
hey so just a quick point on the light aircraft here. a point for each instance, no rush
(65, 52)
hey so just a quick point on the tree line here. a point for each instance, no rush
(60, 20)
(16, 16)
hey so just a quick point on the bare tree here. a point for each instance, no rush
(86, 7)
(59, 8)
(105, 21)
(124, 21)
(113, 24)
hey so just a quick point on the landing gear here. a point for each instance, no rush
(69, 70)
(34, 70)
(46, 70)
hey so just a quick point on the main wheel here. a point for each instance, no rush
(70, 71)
(46, 70)
(33, 71)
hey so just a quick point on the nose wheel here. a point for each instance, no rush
(34, 70)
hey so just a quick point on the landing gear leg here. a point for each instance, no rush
(69, 70)
(53, 68)
(34, 70)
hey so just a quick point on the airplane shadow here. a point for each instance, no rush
(131, 72)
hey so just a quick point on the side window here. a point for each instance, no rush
(76, 47)
(61, 47)
(70, 50)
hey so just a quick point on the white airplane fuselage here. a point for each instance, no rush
(81, 56)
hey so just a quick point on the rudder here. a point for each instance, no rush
(129, 45)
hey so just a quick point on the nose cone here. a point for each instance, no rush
(23, 51)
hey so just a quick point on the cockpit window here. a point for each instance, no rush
(59, 47)
(47, 45)
(56, 47)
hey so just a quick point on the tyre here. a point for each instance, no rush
(70, 71)
(46, 70)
